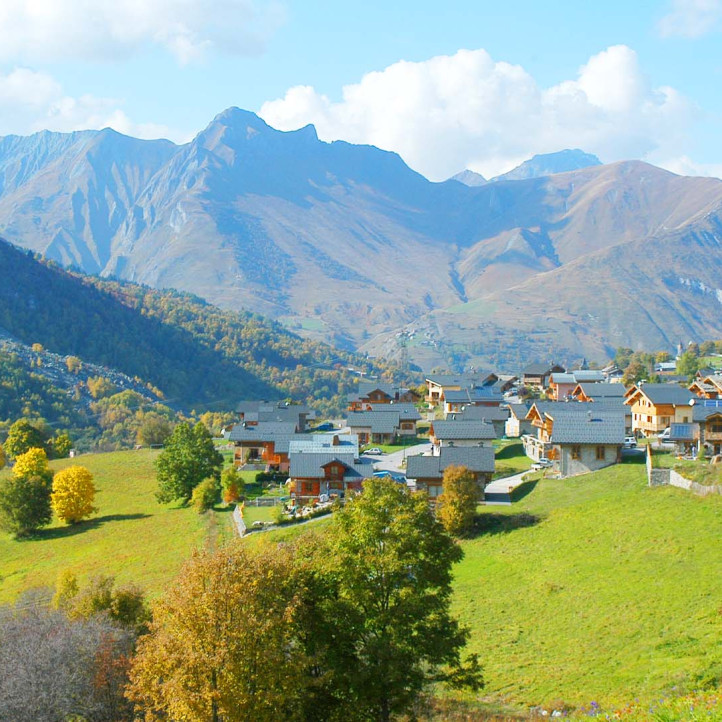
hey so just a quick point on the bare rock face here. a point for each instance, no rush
(346, 243)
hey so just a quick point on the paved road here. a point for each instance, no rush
(499, 491)
(392, 462)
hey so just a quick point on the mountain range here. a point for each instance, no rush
(563, 256)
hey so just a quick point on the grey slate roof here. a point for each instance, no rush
(366, 387)
(474, 395)
(666, 394)
(475, 458)
(463, 430)
(380, 422)
(310, 466)
(478, 378)
(602, 390)
(477, 413)
(539, 369)
(519, 410)
(264, 431)
(406, 412)
(595, 428)
(323, 443)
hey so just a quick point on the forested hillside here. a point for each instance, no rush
(194, 353)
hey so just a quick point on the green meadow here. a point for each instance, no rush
(132, 536)
(595, 588)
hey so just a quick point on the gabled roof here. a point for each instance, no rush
(477, 413)
(600, 390)
(594, 428)
(463, 430)
(406, 411)
(380, 422)
(478, 378)
(542, 369)
(661, 394)
(324, 443)
(367, 387)
(311, 466)
(263, 431)
(519, 411)
(475, 458)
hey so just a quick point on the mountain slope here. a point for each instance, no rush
(340, 242)
(193, 352)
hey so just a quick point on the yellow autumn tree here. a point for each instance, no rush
(456, 507)
(3, 460)
(73, 494)
(223, 641)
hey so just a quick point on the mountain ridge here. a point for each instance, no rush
(340, 242)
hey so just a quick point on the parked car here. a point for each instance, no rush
(373, 450)
(630, 442)
(543, 463)
(664, 436)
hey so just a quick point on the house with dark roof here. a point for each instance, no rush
(577, 438)
(497, 415)
(703, 435)
(561, 385)
(428, 471)
(517, 424)
(384, 423)
(461, 433)
(376, 392)
(263, 443)
(588, 392)
(317, 476)
(656, 406)
(455, 401)
(537, 375)
(255, 412)
(708, 386)
(439, 384)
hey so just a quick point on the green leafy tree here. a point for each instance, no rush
(62, 444)
(688, 364)
(390, 562)
(25, 495)
(456, 508)
(154, 429)
(189, 457)
(22, 437)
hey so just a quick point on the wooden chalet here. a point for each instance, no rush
(384, 423)
(371, 393)
(589, 392)
(252, 413)
(537, 375)
(707, 387)
(517, 424)
(322, 476)
(439, 384)
(262, 444)
(496, 415)
(657, 406)
(703, 436)
(577, 438)
(428, 471)
(461, 433)
(561, 385)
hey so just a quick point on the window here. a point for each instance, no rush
(576, 451)
(600, 453)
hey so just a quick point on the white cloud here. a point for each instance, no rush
(468, 111)
(31, 101)
(691, 18)
(684, 165)
(33, 31)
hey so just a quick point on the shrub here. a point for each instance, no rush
(205, 495)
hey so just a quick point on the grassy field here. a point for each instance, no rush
(510, 458)
(132, 536)
(596, 588)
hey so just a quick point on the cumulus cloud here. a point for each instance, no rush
(33, 31)
(31, 101)
(691, 18)
(468, 111)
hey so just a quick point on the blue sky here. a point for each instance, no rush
(618, 79)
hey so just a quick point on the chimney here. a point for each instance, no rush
(335, 441)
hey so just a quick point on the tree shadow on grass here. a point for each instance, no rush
(62, 532)
(494, 523)
(512, 451)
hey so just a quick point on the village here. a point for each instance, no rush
(568, 422)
